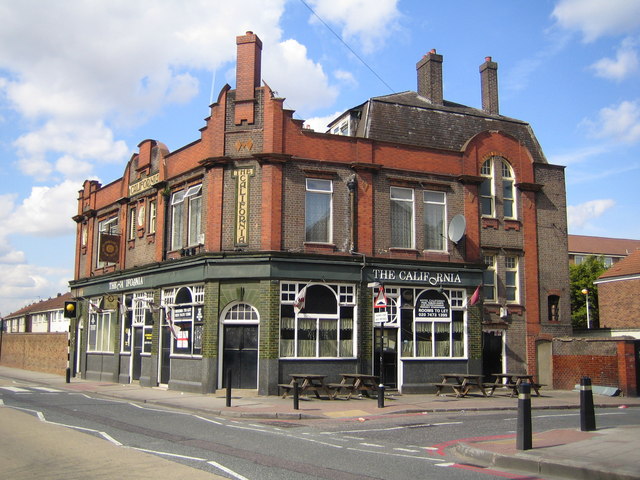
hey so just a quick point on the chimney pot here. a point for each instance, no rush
(429, 70)
(489, 86)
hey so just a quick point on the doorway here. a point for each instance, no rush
(136, 367)
(240, 335)
(492, 353)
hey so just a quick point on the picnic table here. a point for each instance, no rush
(307, 382)
(355, 382)
(512, 381)
(460, 383)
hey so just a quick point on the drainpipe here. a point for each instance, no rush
(352, 185)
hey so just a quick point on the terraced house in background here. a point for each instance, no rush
(264, 248)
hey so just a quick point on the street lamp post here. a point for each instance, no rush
(586, 293)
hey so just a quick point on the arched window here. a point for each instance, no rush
(498, 188)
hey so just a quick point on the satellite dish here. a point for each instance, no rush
(457, 228)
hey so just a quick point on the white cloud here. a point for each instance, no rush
(625, 64)
(346, 77)
(319, 124)
(596, 18)
(580, 215)
(46, 212)
(77, 81)
(370, 23)
(620, 122)
(285, 65)
(29, 284)
(578, 156)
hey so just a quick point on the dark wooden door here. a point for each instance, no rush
(240, 355)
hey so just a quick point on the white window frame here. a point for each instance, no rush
(177, 220)
(490, 261)
(487, 172)
(511, 263)
(103, 321)
(508, 178)
(345, 297)
(193, 325)
(430, 202)
(195, 235)
(132, 223)
(318, 188)
(411, 346)
(398, 198)
(153, 212)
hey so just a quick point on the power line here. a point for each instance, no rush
(347, 45)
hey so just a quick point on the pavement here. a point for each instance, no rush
(601, 454)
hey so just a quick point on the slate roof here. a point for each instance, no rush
(602, 245)
(411, 119)
(629, 265)
(55, 303)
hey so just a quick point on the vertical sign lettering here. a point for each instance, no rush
(242, 204)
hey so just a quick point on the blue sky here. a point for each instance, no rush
(82, 83)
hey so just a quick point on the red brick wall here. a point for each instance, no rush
(599, 359)
(619, 304)
(40, 352)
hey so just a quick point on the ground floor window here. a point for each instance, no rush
(101, 327)
(424, 337)
(184, 312)
(317, 320)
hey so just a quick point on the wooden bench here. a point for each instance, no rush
(457, 388)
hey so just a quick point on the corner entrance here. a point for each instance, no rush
(240, 346)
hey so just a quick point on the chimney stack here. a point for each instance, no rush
(430, 77)
(248, 76)
(489, 84)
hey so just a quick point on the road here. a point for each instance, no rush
(389, 447)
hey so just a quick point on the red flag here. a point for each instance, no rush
(475, 297)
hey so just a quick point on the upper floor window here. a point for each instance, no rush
(511, 278)
(402, 217)
(132, 224)
(108, 226)
(435, 212)
(498, 185)
(318, 210)
(489, 279)
(192, 194)
(153, 212)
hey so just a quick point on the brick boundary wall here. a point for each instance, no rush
(608, 362)
(40, 352)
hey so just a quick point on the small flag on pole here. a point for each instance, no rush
(170, 324)
(299, 302)
(475, 297)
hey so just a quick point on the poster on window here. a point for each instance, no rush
(183, 339)
(432, 305)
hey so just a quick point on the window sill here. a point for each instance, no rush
(404, 252)
(313, 247)
(490, 222)
(512, 224)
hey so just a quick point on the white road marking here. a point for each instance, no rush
(168, 454)
(16, 389)
(226, 470)
(47, 389)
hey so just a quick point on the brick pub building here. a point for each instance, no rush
(261, 247)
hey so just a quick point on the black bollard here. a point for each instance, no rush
(587, 413)
(296, 396)
(523, 434)
(229, 388)
(381, 396)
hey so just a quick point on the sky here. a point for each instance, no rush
(83, 82)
